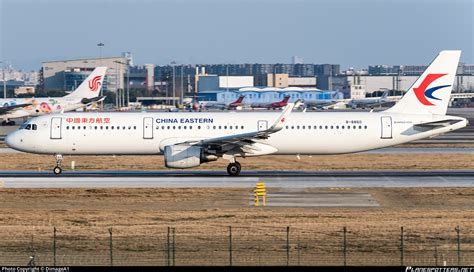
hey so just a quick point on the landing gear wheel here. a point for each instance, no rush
(233, 169)
(59, 160)
(57, 170)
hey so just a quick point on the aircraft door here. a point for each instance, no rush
(262, 125)
(56, 128)
(386, 127)
(148, 128)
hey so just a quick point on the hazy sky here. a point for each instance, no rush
(352, 33)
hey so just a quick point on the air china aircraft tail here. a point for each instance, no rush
(431, 92)
(90, 87)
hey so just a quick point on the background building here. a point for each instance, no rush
(67, 74)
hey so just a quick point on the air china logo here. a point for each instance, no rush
(422, 93)
(94, 84)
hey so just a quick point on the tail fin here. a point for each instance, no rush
(286, 99)
(240, 99)
(90, 87)
(431, 92)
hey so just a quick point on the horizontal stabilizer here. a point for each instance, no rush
(435, 124)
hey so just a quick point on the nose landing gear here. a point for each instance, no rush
(58, 169)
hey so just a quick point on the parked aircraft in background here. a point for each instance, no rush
(188, 139)
(275, 105)
(370, 102)
(222, 106)
(324, 104)
(87, 93)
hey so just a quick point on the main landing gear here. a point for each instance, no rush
(233, 169)
(8, 123)
(58, 169)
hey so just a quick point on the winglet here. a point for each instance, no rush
(278, 125)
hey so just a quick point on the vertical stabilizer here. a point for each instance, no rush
(431, 92)
(91, 86)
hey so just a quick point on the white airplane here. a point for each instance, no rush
(87, 93)
(190, 139)
(370, 102)
(222, 106)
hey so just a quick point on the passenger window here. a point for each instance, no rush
(174, 127)
(84, 127)
(101, 127)
(179, 127)
(225, 127)
(292, 127)
(360, 127)
(214, 127)
(67, 127)
(73, 127)
(342, 127)
(124, 127)
(162, 127)
(129, 127)
(348, 127)
(106, 127)
(242, 127)
(199, 127)
(112, 127)
(354, 127)
(78, 127)
(95, 127)
(303, 127)
(297, 127)
(184, 127)
(134, 127)
(157, 127)
(365, 127)
(230, 127)
(286, 127)
(220, 127)
(325, 127)
(337, 127)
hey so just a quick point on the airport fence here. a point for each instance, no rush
(237, 245)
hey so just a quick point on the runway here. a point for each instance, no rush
(219, 179)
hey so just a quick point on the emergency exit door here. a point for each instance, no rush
(262, 125)
(56, 128)
(147, 128)
(386, 127)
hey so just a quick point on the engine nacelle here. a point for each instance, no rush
(186, 156)
(182, 156)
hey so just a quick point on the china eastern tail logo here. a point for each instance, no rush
(422, 92)
(94, 84)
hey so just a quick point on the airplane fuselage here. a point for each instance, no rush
(148, 132)
(40, 106)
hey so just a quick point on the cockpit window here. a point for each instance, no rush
(23, 126)
(28, 127)
(34, 126)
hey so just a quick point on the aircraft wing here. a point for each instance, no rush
(249, 137)
(8, 109)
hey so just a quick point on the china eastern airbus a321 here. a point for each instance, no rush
(189, 139)
(84, 95)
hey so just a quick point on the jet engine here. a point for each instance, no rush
(186, 156)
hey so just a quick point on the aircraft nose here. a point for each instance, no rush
(12, 140)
